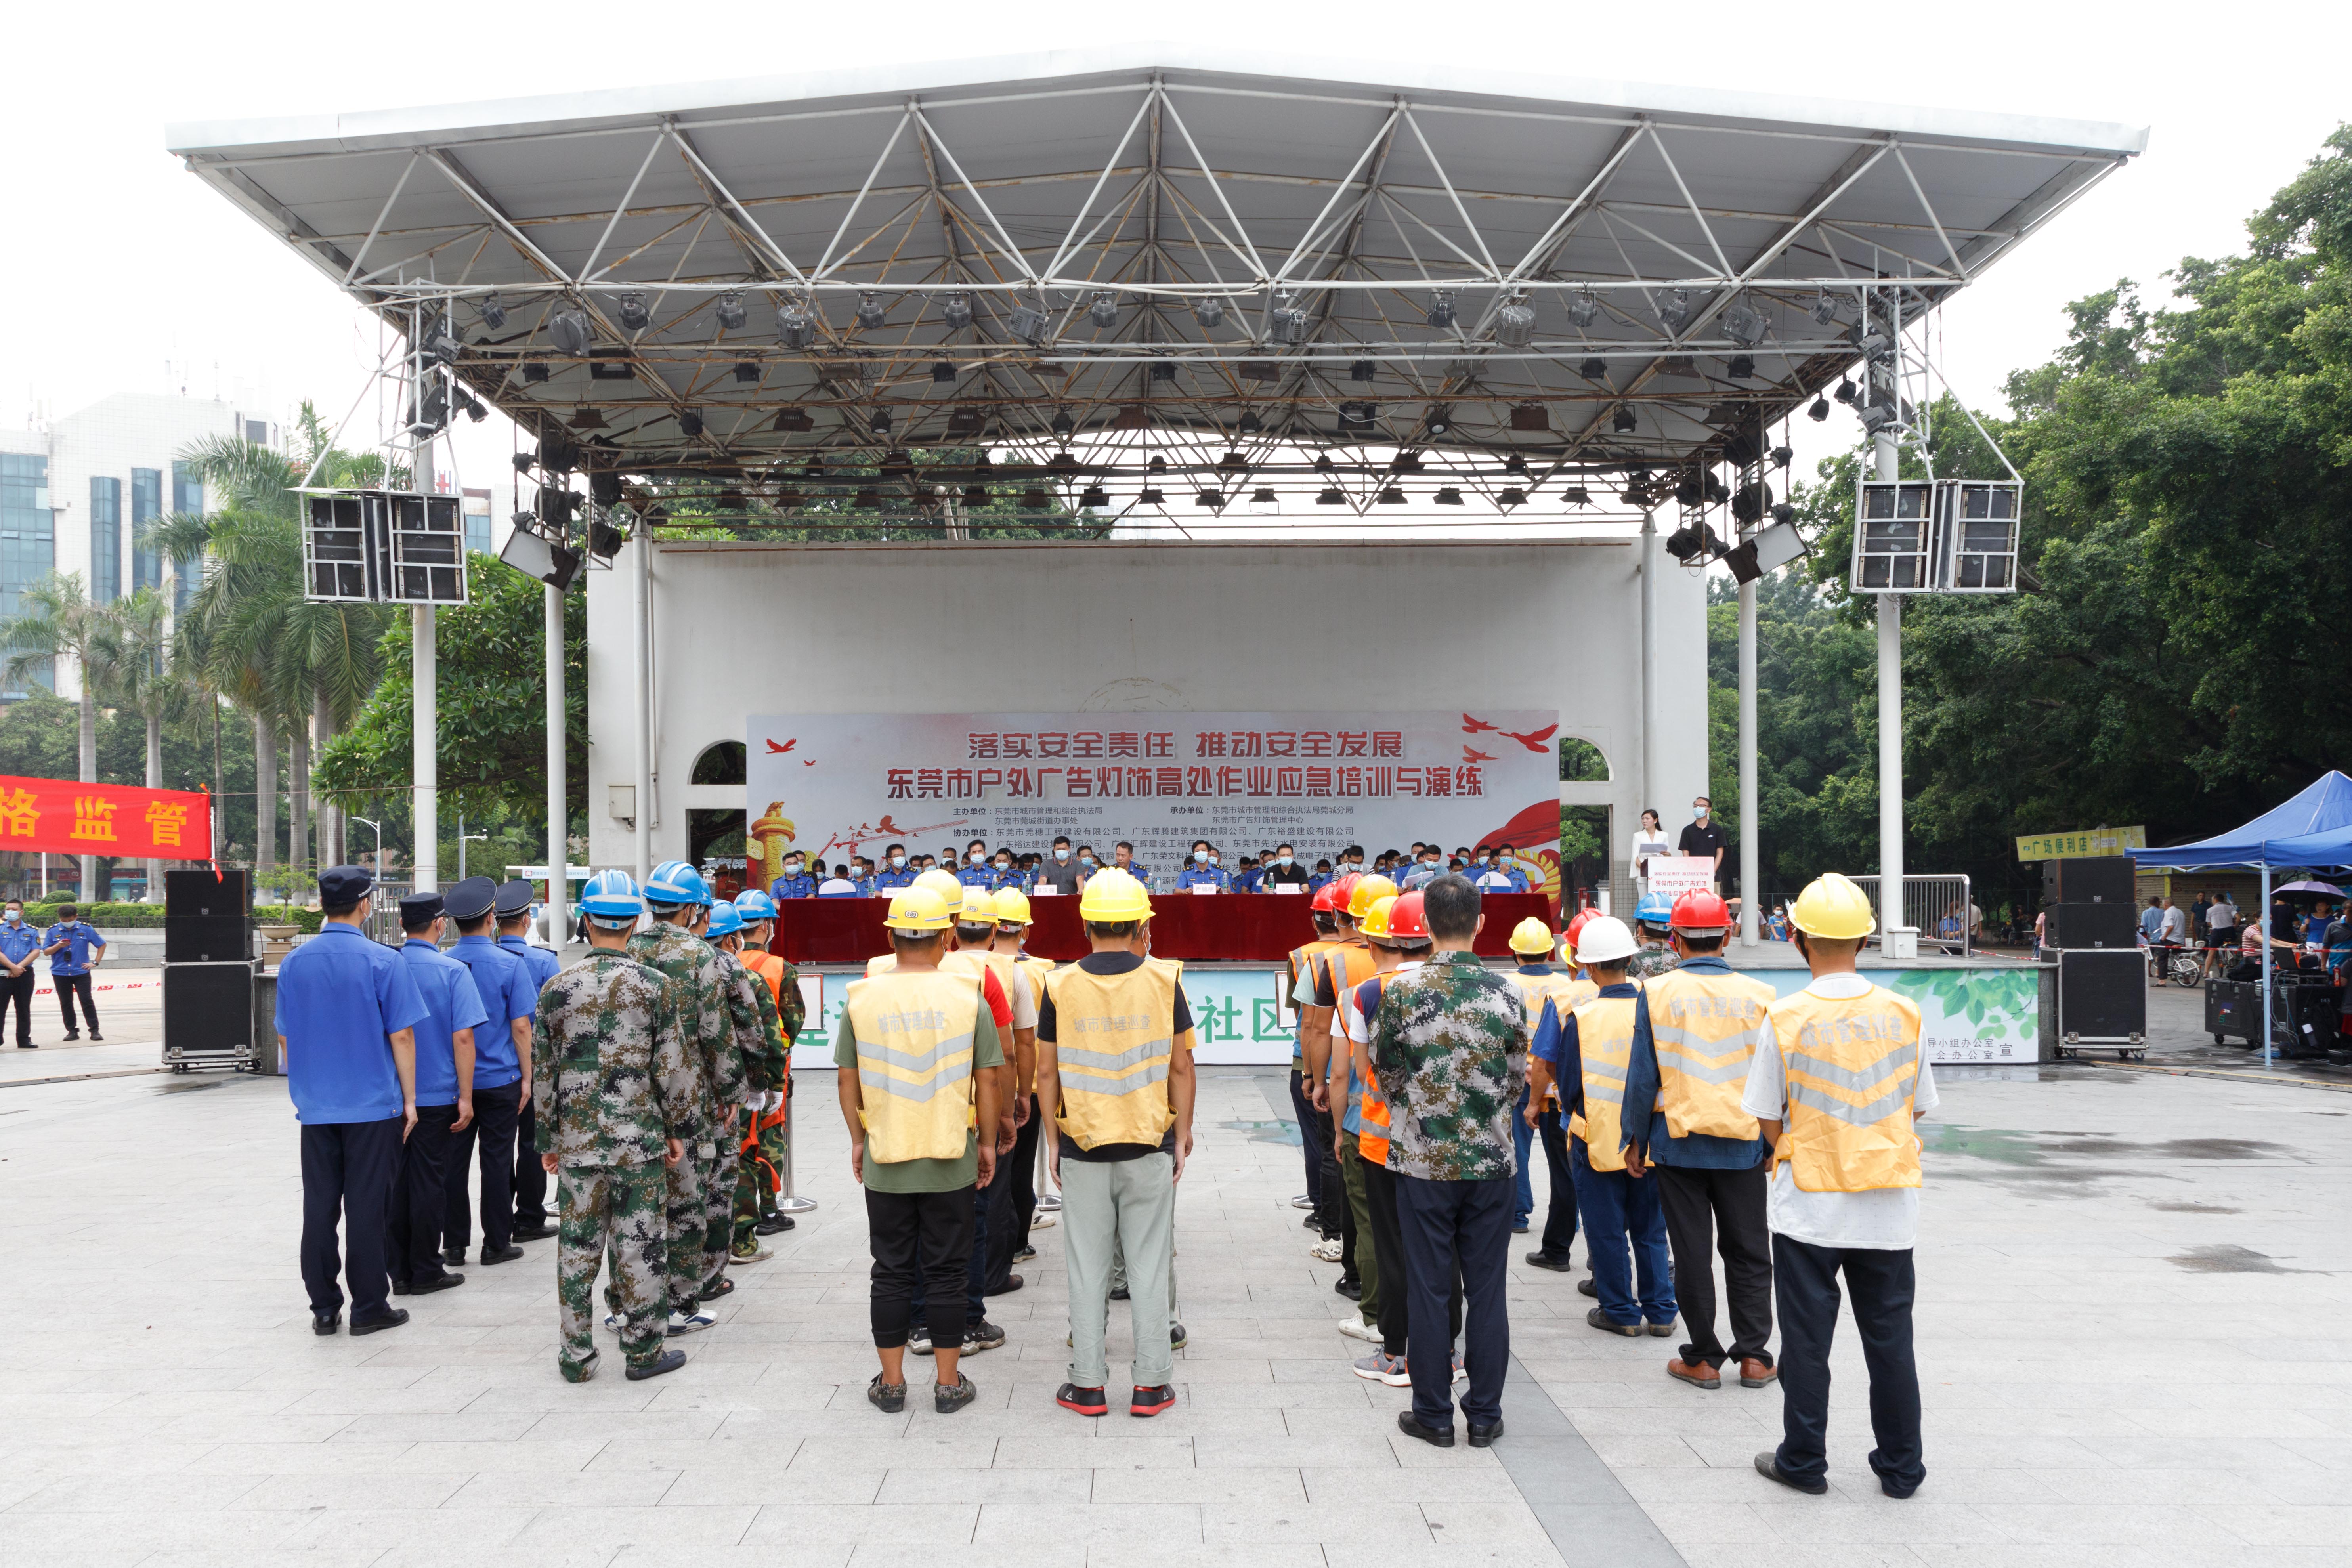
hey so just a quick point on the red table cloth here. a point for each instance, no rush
(1240, 928)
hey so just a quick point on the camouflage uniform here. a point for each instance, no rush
(1650, 961)
(751, 1013)
(1450, 1049)
(692, 966)
(763, 1169)
(612, 1080)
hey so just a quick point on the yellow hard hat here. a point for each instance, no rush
(1369, 890)
(1011, 907)
(918, 908)
(943, 883)
(1111, 895)
(1832, 907)
(1531, 936)
(979, 908)
(1374, 922)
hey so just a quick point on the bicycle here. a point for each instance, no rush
(2185, 967)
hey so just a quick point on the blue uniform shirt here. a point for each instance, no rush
(1555, 1042)
(340, 996)
(800, 887)
(507, 992)
(541, 963)
(890, 879)
(20, 940)
(1199, 876)
(1698, 1151)
(79, 939)
(446, 988)
(972, 876)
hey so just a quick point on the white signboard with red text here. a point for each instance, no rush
(835, 785)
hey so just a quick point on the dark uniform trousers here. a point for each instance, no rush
(530, 1176)
(420, 1196)
(1457, 1225)
(1708, 1210)
(493, 1132)
(1560, 1216)
(1395, 1317)
(1331, 1215)
(1805, 1284)
(18, 989)
(348, 1169)
(1304, 1109)
(925, 1236)
(69, 987)
(1019, 1207)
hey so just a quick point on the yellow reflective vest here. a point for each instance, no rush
(1604, 1049)
(980, 961)
(1036, 969)
(1705, 1028)
(1114, 1036)
(1562, 989)
(914, 1036)
(1853, 1067)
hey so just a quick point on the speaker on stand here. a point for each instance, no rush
(209, 972)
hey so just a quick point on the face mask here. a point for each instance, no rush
(898, 862)
(1005, 865)
(974, 857)
(1216, 859)
(1061, 854)
(791, 867)
(15, 916)
(1086, 861)
(1284, 859)
(1698, 814)
(1201, 857)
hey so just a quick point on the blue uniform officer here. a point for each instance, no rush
(74, 949)
(894, 872)
(18, 944)
(501, 1077)
(346, 1021)
(1205, 871)
(796, 882)
(976, 871)
(513, 911)
(444, 1097)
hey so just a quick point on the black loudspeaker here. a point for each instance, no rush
(2092, 879)
(2091, 926)
(207, 1011)
(208, 939)
(2102, 995)
(199, 894)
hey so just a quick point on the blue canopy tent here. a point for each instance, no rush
(2314, 828)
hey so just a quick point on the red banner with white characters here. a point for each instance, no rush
(123, 821)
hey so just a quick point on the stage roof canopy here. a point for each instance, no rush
(1146, 250)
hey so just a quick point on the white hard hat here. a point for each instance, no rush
(1605, 940)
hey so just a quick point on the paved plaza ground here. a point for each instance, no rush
(2132, 1291)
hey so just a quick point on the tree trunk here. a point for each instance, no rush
(331, 817)
(265, 799)
(88, 774)
(156, 781)
(298, 784)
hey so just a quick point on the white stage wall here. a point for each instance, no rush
(744, 629)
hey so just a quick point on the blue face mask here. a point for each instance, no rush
(1201, 857)
(1285, 859)
(1061, 854)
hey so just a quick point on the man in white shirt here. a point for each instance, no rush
(2221, 932)
(2175, 928)
(1838, 1078)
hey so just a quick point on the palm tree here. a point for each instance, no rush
(54, 620)
(133, 667)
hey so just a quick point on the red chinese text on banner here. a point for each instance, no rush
(121, 821)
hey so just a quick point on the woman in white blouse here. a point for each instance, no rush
(1649, 839)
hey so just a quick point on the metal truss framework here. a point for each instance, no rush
(1262, 283)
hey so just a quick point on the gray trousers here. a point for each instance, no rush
(1123, 1211)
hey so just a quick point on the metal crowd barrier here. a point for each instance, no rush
(1937, 907)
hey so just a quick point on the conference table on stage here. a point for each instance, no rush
(1234, 928)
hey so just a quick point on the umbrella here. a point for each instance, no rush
(2308, 890)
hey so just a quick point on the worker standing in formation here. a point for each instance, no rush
(1704, 1152)
(618, 1094)
(502, 1078)
(764, 1156)
(972, 949)
(1539, 981)
(1008, 1243)
(444, 1097)
(1652, 925)
(760, 1041)
(920, 1073)
(1587, 1052)
(513, 911)
(1340, 968)
(1115, 1073)
(1326, 911)
(1838, 1082)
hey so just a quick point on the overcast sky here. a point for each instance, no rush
(123, 272)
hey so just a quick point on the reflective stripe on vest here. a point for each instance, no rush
(1604, 1049)
(1113, 1038)
(914, 1062)
(1853, 1067)
(1563, 991)
(1705, 1028)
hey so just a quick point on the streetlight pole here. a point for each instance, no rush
(462, 836)
(379, 843)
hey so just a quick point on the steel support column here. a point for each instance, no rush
(557, 810)
(1890, 732)
(642, 612)
(1751, 901)
(425, 743)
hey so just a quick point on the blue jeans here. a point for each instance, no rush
(1523, 1190)
(1618, 1207)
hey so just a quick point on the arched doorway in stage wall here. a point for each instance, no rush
(1588, 860)
(714, 839)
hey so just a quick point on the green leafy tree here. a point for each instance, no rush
(54, 619)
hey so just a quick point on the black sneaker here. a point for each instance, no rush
(949, 1398)
(668, 1360)
(95, 1036)
(26, 1046)
(1151, 1401)
(1351, 1288)
(770, 1224)
(1545, 1260)
(1768, 1466)
(1085, 1401)
(1025, 1255)
(1119, 1293)
(980, 1336)
(888, 1397)
(71, 1038)
(1177, 1338)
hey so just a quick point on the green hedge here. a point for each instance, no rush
(150, 917)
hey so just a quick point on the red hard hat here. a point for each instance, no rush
(1407, 923)
(1328, 899)
(1343, 891)
(1577, 922)
(1702, 914)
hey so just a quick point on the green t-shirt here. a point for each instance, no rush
(926, 1175)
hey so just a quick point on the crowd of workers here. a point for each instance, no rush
(1681, 1107)
(1065, 870)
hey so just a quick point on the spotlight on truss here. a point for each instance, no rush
(1063, 424)
(1593, 369)
(1264, 499)
(1288, 322)
(1743, 324)
(689, 422)
(635, 314)
(1390, 496)
(1151, 495)
(1026, 323)
(534, 373)
(1441, 310)
(1250, 424)
(943, 374)
(795, 327)
(470, 406)
(1623, 423)
(1741, 368)
(1694, 542)
(436, 342)
(1209, 311)
(1824, 309)
(1819, 411)
(880, 423)
(871, 311)
(1511, 496)
(746, 371)
(1163, 370)
(1583, 309)
(571, 332)
(1103, 312)
(1514, 325)
(1845, 392)
(1875, 346)
(1676, 310)
(1447, 495)
(728, 312)
(1094, 497)
(1440, 421)
(1332, 495)
(955, 310)
(1874, 417)
(1362, 370)
(493, 313)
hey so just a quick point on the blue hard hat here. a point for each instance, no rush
(676, 883)
(612, 896)
(755, 905)
(1655, 909)
(725, 920)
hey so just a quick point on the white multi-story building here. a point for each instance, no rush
(78, 494)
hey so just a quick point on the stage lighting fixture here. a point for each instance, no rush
(1209, 312)
(943, 374)
(1250, 424)
(795, 419)
(1819, 411)
(1512, 496)
(571, 332)
(1149, 496)
(1324, 465)
(1530, 416)
(1362, 370)
(603, 489)
(1391, 496)
(1583, 309)
(1441, 310)
(1824, 311)
(1103, 312)
(1576, 495)
(956, 311)
(1690, 542)
(1357, 414)
(727, 311)
(975, 495)
(1593, 370)
(1063, 424)
(1515, 464)
(430, 412)
(605, 541)
(1288, 323)
(1782, 456)
(1330, 496)
(1232, 461)
(1875, 417)
(1688, 491)
(1062, 463)
(795, 328)
(493, 313)
(1158, 464)
(1440, 421)
(1676, 310)
(436, 342)
(1447, 495)
(1743, 325)
(1094, 496)
(634, 314)
(1515, 325)
(534, 373)
(1875, 346)
(1741, 368)
(1026, 323)
(1783, 512)
(1623, 421)
(1845, 392)
(471, 407)
(522, 462)
(1212, 499)
(747, 372)
(879, 423)
(871, 311)
(1263, 499)
(1163, 370)
(534, 556)
(689, 422)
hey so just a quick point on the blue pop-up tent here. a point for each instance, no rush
(2314, 828)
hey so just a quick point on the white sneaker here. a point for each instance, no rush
(1329, 1250)
(689, 1322)
(1041, 1221)
(1355, 1328)
(612, 1322)
(1049, 1202)
(1302, 1202)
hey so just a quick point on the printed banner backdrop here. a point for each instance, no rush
(1965, 1015)
(831, 786)
(120, 820)
(1237, 1017)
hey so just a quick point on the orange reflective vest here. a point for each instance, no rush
(1705, 1028)
(1852, 1067)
